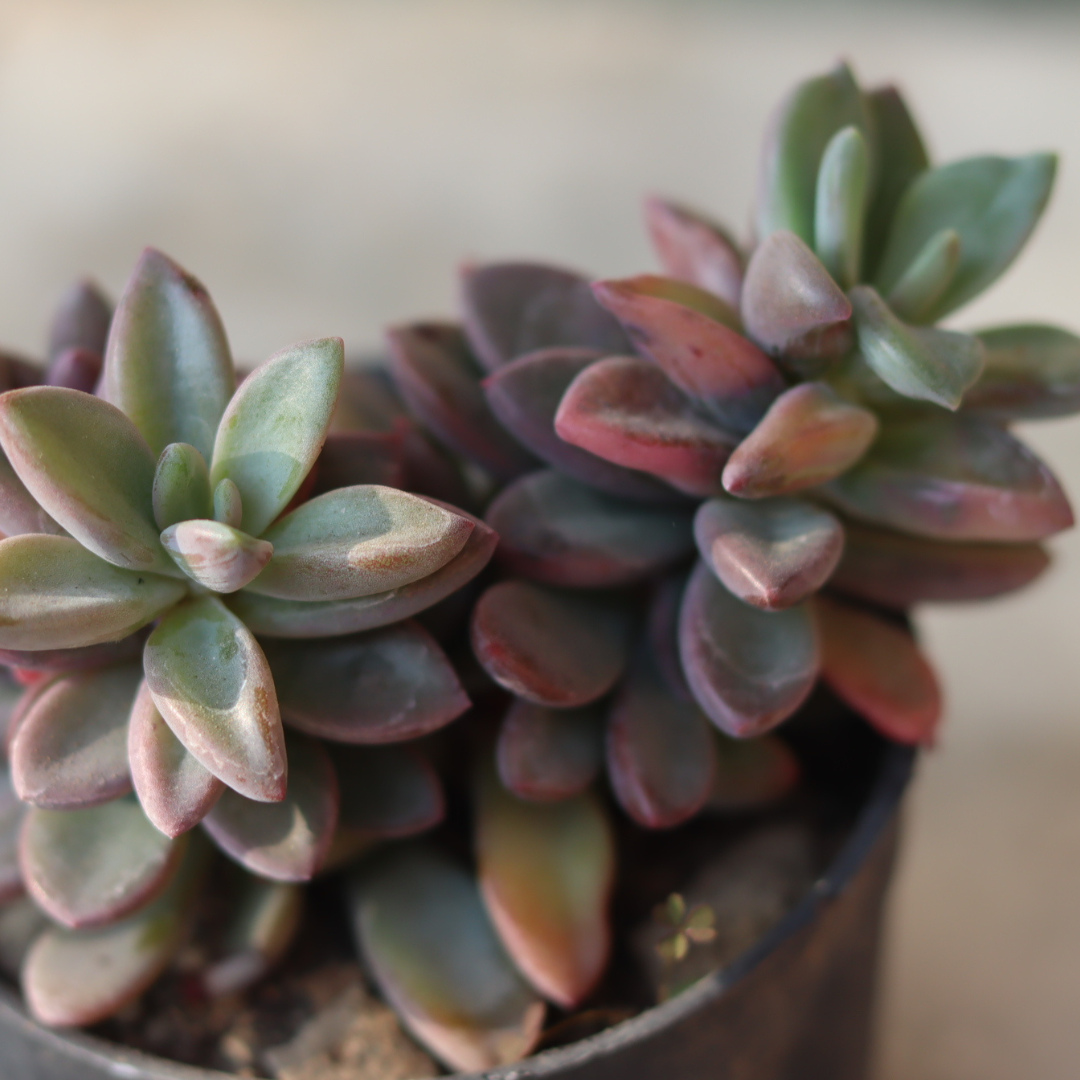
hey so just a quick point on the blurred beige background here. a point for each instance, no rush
(324, 165)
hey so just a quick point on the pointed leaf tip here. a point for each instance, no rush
(843, 188)
(181, 485)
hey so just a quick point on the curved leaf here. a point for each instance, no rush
(228, 505)
(663, 631)
(80, 659)
(181, 485)
(386, 791)
(81, 320)
(77, 369)
(19, 511)
(215, 555)
(924, 282)
(751, 774)
(11, 815)
(843, 189)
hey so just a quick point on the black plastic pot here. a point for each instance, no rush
(797, 1006)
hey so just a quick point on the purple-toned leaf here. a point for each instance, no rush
(558, 531)
(548, 754)
(58, 595)
(17, 709)
(349, 458)
(387, 685)
(211, 682)
(546, 873)
(19, 511)
(925, 281)
(808, 437)
(440, 381)
(421, 927)
(215, 555)
(515, 308)
(692, 248)
(286, 840)
(843, 189)
(91, 867)
(877, 668)
(77, 369)
(70, 751)
(549, 647)
(792, 307)
(627, 411)
(525, 396)
(663, 631)
(751, 774)
(954, 478)
(181, 486)
(661, 753)
(175, 791)
(386, 791)
(81, 659)
(17, 372)
(368, 400)
(81, 321)
(12, 812)
(748, 669)
(897, 571)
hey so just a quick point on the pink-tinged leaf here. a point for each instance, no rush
(748, 669)
(661, 753)
(386, 791)
(710, 361)
(359, 541)
(549, 647)
(692, 248)
(440, 381)
(546, 873)
(558, 531)
(211, 682)
(287, 840)
(751, 774)
(275, 426)
(349, 458)
(27, 694)
(167, 363)
(77, 369)
(89, 468)
(76, 978)
(515, 308)
(627, 411)
(81, 659)
(548, 754)
(792, 307)
(175, 791)
(57, 595)
(218, 557)
(954, 478)
(181, 486)
(663, 631)
(328, 618)
(70, 751)
(386, 685)
(81, 321)
(19, 511)
(771, 554)
(525, 396)
(91, 867)
(897, 571)
(425, 937)
(877, 668)
(12, 812)
(808, 437)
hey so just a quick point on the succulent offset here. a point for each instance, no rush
(709, 489)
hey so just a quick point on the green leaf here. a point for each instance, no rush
(54, 594)
(217, 556)
(993, 203)
(19, 511)
(167, 364)
(181, 485)
(88, 466)
(212, 684)
(275, 426)
(924, 282)
(228, 506)
(843, 186)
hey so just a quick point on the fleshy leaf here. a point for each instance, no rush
(70, 751)
(525, 396)
(85, 463)
(77, 369)
(358, 541)
(90, 867)
(730, 375)
(663, 631)
(895, 570)
(181, 485)
(877, 668)
(19, 511)
(919, 362)
(328, 618)
(770, 554)
(515, 308)
(558, 531)
(751, 773)
(627, 411)
(419, 922)
(843, 186)
(57, 595)
(548, 754)
(440, 381)
(386, 791)
(81, 321)
(274, 428)
(661, 752)
(383, 686)
(549, 647)
(218, 557)
(748, 669)
(87, 656)
(349, 458)
(16, 372)
(954, 478)
(1032, 372)
(692, 248)
(809, 436)
(211, 682)
(286, 840)
(175, 791)
(792, 307)
(931, 272)
(546, 872)
(992, 202)
(11, 815)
